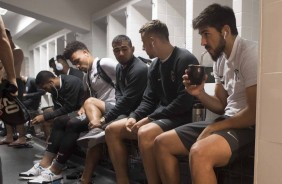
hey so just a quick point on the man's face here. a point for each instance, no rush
(81, 59)
(47, 86)
(213, 42)
(123, 51)
(148, 45)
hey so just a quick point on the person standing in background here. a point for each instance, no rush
(6, 55)
(19, 127)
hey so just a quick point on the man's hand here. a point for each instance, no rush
(81, 111)
(194, 90)
(140, 123)
(207, 132)
(37, 119)
(94, 124)
(129, 123)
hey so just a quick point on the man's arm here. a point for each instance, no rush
(136, 84)
(216, 103)
(246, 117)
(243, 119)
(18, 60)
(6, 55)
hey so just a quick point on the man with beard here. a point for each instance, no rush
(210, 144)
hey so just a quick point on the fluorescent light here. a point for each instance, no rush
(3, 11)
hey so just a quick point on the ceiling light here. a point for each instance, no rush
(3, 11)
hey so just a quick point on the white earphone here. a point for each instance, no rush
(224, 35)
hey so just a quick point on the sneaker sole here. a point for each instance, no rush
(46, 182)
(28, 177)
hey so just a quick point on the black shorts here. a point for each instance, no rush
(169, 124)
(241, 141)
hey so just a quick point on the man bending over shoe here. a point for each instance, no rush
(66, 129)
(68, 95)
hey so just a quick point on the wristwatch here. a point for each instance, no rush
(102, 120)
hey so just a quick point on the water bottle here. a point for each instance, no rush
(199, 112)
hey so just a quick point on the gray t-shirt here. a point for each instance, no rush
(100, 89)
(236, 73)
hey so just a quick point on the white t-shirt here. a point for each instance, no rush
(99, 88)
(237, 73)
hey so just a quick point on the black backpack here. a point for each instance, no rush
(12, 110)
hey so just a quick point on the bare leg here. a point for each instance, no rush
(21, 139)
(146, 137)
(9, 137)
(47, 160)
(167, 146)
(212, 151)
(115, 134)
(94, 109)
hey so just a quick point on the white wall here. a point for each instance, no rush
(173, 13)
(99, 35)
(137, 17)
(268, 162)
(116, 26)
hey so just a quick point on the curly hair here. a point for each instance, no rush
(73, 47)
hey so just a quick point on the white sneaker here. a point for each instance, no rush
(46, 177)
(32, 173)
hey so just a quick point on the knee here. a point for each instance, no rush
(110, 131)
(73, 124)
(89, 101)
(160, 145)
(199, 154)
(145, 136)
(57, 122)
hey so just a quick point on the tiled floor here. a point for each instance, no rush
(15, 161)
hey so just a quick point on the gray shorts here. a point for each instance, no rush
(241, 141)
(108, 107)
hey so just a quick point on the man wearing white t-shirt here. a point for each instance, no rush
(210, 144)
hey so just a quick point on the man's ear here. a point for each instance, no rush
(133, 48)
(152, 39)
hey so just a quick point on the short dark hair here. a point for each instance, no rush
(216, 16)
(73, 47)
(43, 77)
(52, 60)
(120, 38)
(156, 27)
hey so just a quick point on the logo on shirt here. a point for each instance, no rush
(172, 76)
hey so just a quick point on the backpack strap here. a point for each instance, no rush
(104, 75)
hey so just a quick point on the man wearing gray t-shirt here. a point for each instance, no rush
(231, 136)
